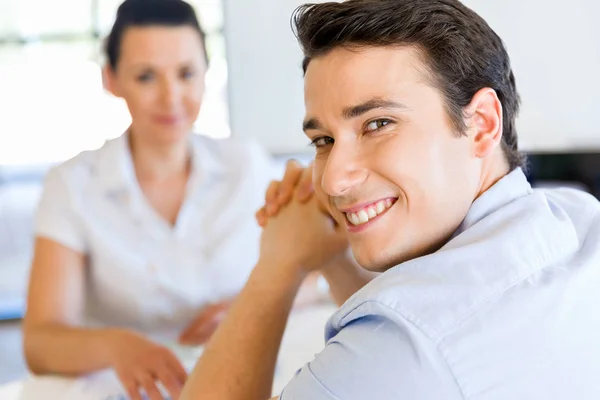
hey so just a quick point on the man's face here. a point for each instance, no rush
(388, 162)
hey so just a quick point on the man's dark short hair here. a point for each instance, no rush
(460, 50)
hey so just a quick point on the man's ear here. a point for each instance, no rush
(484, 122)
(109, 81)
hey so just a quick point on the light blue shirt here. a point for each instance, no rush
(506, 310)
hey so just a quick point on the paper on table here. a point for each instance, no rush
(101, 385)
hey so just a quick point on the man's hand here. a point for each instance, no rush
(205, 324)
(301, 236)
(296, 183)
(141, 364)
(344, 276)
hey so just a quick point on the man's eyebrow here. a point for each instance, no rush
(311, 123)
(362, 108)
(357, 111)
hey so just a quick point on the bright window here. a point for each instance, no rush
(52, 101)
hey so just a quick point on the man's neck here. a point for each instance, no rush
(494, 168)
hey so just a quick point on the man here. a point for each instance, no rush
(487, 287)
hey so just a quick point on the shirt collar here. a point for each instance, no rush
(114, 165)
(116, 172)
(512, 186)
(206, 164)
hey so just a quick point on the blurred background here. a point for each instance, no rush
(53, 106)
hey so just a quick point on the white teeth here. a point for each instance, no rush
(363, 216)
(366, 214)
(372, 213)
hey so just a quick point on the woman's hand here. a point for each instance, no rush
(141, 365)
(205, 324)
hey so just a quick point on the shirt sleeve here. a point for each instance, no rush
(56, 216)
(374, 357)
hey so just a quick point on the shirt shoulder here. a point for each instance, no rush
(581, 208)
(363, 360)
(74, 172)
(495, 296)
(60, 209)
(438, 291)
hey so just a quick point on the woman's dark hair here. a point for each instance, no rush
(146, 13)
(462, 53)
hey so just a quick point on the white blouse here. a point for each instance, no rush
(142, 272)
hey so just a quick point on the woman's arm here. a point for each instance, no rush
(52, 341)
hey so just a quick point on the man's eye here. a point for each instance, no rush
(378, 124)
(322, 141)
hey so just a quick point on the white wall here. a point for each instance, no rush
(554, 46)
(265, 73)
(555, 50)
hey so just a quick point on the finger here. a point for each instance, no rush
(131, 387)
(291, 177)
(201, 336)
(189, 331)
(148, 384)
(200, 319)
(305, 189)
(271, 194)
(176, 368)
(210, 330)
(189, 338)
(205, 327)
(205, 317)
(272, 207)
(170, 381)
(261, 217)
(185, 333)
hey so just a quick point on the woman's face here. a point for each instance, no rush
(160, 75)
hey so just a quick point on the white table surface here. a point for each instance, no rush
(304, 337)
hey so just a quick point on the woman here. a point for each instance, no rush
(148, 237)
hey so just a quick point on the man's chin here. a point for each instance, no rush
(379, 260)
(374, 261)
